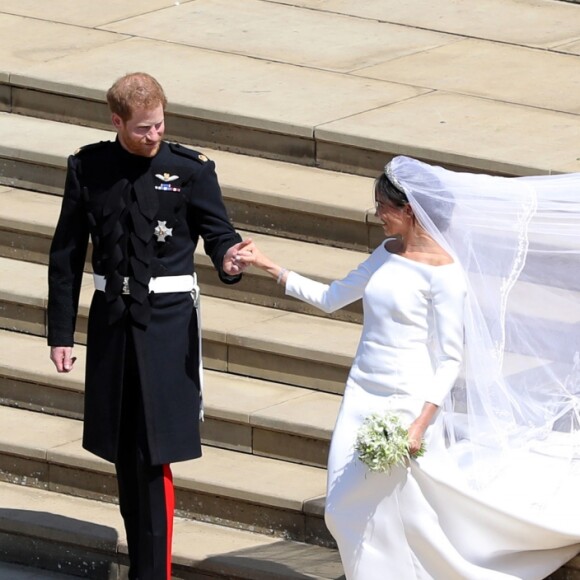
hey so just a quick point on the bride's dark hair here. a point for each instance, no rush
(388, 191)
(440, 212)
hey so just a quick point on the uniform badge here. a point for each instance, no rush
(162, 231)
(166, 180)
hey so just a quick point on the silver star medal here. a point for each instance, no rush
(162, 231)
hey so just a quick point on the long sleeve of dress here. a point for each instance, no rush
(334, 296)
(448, 299)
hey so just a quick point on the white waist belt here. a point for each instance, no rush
(164, 285)
(159, 285)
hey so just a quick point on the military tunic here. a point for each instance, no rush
(144, 217)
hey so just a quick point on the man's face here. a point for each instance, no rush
(143, 132)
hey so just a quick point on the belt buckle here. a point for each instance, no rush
(125, 289)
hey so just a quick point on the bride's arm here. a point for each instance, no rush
(327, 297)
(448, 294)
(448, 297)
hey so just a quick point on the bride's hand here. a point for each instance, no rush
(252, 256)
(416, 433)
(419, 426)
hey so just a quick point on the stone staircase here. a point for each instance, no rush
(252, 507)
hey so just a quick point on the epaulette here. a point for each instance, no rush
(186, 152)
(91, 147)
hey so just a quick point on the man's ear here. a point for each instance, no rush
(117, 121)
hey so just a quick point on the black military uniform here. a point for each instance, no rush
(142, 394)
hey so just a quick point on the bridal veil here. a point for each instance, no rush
(512, 421)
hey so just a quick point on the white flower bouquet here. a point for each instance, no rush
(382, 442)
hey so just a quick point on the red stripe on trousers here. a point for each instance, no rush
(169, 510)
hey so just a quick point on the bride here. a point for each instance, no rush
(471, 337)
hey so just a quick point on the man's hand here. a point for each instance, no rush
(62, 358)
(232, 266)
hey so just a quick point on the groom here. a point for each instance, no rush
(145, 203)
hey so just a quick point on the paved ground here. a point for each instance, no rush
(496, 82)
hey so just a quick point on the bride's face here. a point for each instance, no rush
(396, 220)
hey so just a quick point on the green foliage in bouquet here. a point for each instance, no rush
(382, 442)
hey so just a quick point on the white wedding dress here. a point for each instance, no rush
(421, 521)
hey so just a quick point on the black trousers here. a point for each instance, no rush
(146, 496)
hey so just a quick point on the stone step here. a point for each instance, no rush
(28, 220)
(295, 93)
(239, 338)
(267, 109)
(265, 495)
(27, 572)
(262, 195)
(81, 537)
(243, 414)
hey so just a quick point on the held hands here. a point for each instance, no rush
(62, 358)
(247, 254)
(240, 256)
(252, 256)
(232, 264)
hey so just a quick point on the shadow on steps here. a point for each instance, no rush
(275, 561)
(58, 543)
